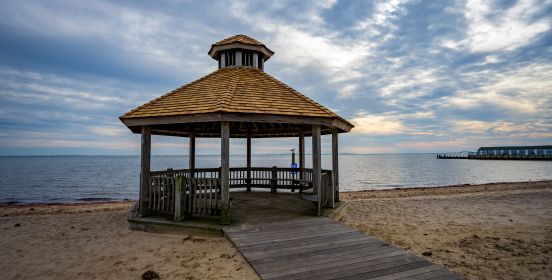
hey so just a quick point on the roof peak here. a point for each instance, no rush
(242, 38)
(240, 42)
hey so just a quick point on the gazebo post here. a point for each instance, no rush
(301, 155)
(316, 164)
(248, 181)
(335, 165)
(225, 171)
(191, 156)
(145, 170)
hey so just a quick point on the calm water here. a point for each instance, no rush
(81, 178)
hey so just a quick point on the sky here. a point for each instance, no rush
(413, 76)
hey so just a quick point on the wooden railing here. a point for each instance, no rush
(205, 196)
(161, 193)
(181, 194)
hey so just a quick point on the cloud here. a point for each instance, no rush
(449, 74)
(69, 143)
(384, 12)
(522, 90)
(347, 91)
(377, 125)
(138, 32)
(371, 149)
(533, 129)
(112, 130)
(307, 43)
(437, 145)
(492, 29)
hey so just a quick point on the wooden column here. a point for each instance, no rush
(179, 197)
(317, 164)
(191, 155)
(225, 171)
(248, 160)
(145, 171)
(301, 155)
(335, 165)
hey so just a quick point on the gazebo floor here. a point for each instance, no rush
(247, 209)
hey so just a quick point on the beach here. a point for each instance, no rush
(492, 231)
(92, 241)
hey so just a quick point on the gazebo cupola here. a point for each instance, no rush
(240, 51)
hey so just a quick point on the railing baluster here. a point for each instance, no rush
(150, 200)
(205, 196)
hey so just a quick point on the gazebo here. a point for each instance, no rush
(239, 100)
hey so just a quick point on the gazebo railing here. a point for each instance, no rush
(162, 192)
(200, 194)
(203, 196)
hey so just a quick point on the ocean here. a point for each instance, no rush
(57, 179)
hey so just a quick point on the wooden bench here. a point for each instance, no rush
(301, 185)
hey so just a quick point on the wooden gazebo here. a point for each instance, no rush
(238, 100)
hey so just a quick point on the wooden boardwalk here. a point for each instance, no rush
(322, 248)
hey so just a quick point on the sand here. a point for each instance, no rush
(92, 241)
(493, 231)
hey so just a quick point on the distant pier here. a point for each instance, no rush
(497, 157)
(504, 153)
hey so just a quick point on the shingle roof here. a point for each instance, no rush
(233, 90)
(240, 38)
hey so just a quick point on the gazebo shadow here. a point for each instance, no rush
(257, 207)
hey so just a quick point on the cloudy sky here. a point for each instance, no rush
(413, 76)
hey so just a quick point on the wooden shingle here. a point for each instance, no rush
(233, 90)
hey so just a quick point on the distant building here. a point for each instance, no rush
(516, 150)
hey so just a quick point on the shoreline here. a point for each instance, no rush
(445, 190)
(362, 194)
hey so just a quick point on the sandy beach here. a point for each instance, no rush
(493, 231)
(92, 241)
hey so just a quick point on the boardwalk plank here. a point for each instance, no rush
(301, 241)
(335, 264)
(284, 263)
(321, 248)
(325, 252)
(307, 242)
(315, 246)
(284, 238)
(284, 253)
(352, 270)
(263, 235)
(299, 222)
(389, 270)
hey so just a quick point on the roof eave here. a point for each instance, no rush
(331, 121)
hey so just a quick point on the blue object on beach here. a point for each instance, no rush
(294, 165)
